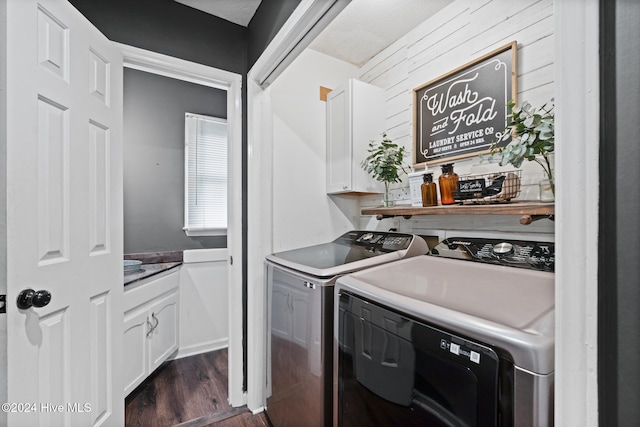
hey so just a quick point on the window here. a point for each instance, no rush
(205, 175)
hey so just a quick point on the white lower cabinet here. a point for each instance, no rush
(150, 327)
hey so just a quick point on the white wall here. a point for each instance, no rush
(204, 302)
(303, 214)
(460, 33)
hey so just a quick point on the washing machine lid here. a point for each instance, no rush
(352, 251)
(506, 307)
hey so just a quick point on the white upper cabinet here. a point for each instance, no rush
(355, 117)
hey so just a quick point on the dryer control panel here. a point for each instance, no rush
(513, 253)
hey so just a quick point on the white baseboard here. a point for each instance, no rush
(206, 347)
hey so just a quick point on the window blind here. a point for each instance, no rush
(206, 174)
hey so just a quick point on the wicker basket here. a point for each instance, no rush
(496, 187)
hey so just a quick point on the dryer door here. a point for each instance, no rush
(394, 370)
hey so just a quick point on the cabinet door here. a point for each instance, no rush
(163, 317)
(355, 117)
(339, 157)
(367, 122)
(135, 349)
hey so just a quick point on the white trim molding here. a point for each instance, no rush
(156, 63)
(308, 20)
(577, 99)
(169, 66)
(304, 24)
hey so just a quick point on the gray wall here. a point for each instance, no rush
(154, 108)
(171, 28)
(267, 21)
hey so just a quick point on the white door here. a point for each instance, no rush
(64, 218)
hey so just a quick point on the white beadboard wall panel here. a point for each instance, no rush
(399, 104)
(466, 224)
(461, 32)
(503, 19)
(435, 31)
(396, 125)
(537, 27)
(447, 42)
(535, 54)
(396, 95)
(381, 75)
(204, 308)
(537, 79)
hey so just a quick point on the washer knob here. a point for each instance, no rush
(503, 249)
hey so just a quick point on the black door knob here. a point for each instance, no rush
(30, 298)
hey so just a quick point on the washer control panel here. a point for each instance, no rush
(514, 253)
(379, 240)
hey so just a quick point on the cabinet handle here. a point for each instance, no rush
(153, 316)
(152, 326)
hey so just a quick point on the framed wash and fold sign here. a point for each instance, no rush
(461, 113)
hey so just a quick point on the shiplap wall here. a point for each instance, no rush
(462, 32)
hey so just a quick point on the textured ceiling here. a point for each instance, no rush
(237, 11)
(366, 27)
(362, 30)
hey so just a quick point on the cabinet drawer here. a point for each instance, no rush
(146, 290)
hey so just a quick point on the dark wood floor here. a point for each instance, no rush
(188, 392)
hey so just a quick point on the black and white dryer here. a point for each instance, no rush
(462, 338)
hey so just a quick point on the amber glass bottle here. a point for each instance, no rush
(429, 193)
(448, 184)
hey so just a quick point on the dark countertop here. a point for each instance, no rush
(148, 270)
(152, 263)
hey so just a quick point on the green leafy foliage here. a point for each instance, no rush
(532, 135)
(385, 161)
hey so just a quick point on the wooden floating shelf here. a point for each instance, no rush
(529, 211)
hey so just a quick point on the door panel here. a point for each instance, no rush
(100, 201)
(64, 216)
(53, 181)
(52, 333)
(101, 358)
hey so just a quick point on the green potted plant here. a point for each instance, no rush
(385, 162)
(532, 138)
